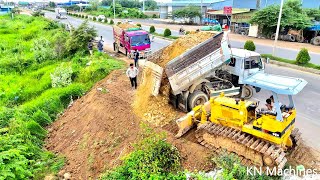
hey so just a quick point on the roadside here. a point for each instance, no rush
(98, 130)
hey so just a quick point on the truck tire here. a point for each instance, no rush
(273, 36)
(316, 41)
(116, 48)
(292, 38)
(196, 98)
(248, 92)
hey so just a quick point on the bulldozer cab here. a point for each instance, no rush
(278, 85)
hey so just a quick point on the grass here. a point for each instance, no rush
(161, 35)
(28, 102)
(289, 61)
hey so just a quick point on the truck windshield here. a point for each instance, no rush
(253, 62)
(140, 40)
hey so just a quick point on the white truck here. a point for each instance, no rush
(206, 70)
(60, 13)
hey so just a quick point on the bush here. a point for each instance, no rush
(118, 23)
(42, 50)
(303, 57)
(86, 17)
(94, 18)
(154, 16)
(139, 25)
(106, 20)
(153, 158)
(232, 168)
(249, 45)
(61, 77)
(111, 21)
(167, 32)
(152, 29)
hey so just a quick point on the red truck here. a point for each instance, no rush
(128, 38)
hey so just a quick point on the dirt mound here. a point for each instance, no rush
(181, 45)
(157, 109)
(97, 130)
(127, 26)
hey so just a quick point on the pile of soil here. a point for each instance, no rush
(127, 26)
(97, 130)
(157, 110)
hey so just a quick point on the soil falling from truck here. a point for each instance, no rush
(157, 110)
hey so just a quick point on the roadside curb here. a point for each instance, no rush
(292, 66)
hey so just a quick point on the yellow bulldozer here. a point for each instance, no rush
(260, 137)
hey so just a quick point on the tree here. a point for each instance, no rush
(150, 5)
(80, 37)
(188, 13)
(293, 17)
(303, 57)
(94, 4)
(249, 45)
(313, 13)
(52, 4)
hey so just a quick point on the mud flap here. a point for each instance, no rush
(156, 76)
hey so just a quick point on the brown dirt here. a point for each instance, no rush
(126, 26)
(99, 128)
(157, 109)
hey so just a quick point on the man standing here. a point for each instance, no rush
(132, 73)
(90, 46)
(100, 45)
(136, 58)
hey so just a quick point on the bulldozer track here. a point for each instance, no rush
(252, 151)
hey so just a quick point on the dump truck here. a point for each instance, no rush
(60, 13)
(204, 71)
(128, 38)
(260, 137)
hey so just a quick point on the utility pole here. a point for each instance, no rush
(278, 28)
(143, 6)
(114, 9)
(201, 11)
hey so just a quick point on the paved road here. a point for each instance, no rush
(262, 49)
(307, 102)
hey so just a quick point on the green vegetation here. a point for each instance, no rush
(232, 169)
(289, 61)
(152, 158)
(293, 16)
(188, 13)
(161, 35)
(167, 32)
(303, 57)
(121, 12)
(152, 29)
(111, 21)
(42, 69)
(249, 45)
(139, 25)
(150, 5)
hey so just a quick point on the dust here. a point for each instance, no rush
(127, 26)
(157, 110)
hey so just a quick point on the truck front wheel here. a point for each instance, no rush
(248, 92)
(197, 98)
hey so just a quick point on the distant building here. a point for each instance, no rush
(5, 8)
(166, 9)
(70, 3)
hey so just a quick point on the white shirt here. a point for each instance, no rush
(132, 72)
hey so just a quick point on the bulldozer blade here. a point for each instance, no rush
(185, 123)
(156, 72)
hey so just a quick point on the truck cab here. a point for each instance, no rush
(244, 63)
(127, 40)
